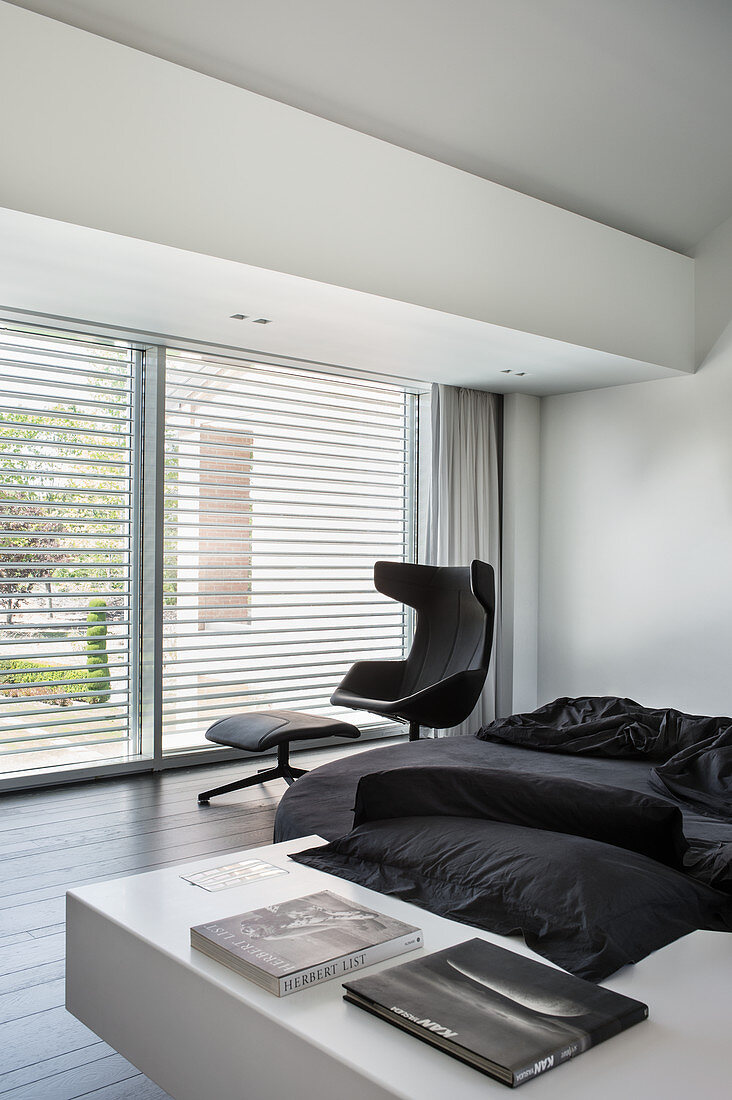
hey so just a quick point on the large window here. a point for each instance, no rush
(183, 536)
(282, 487)
(67, 549)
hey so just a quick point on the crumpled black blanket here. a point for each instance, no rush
(694, 752)
(700, 775)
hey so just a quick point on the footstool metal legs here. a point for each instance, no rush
(284, 770)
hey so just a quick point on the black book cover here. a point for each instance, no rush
(500, 1012)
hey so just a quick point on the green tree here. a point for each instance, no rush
(59, 479)
(21, 541)
(65, 437)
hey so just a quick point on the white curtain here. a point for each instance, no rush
(464, 512)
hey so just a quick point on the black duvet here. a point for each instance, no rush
(594, 875)
(693, 752)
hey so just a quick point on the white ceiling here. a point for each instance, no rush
(618, 110)
(56, 269)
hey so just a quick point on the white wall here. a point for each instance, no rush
(104, 136)
(713, 288)
(518, 651)
(636, 526)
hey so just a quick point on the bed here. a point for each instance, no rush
(566, 826)
(322, 801)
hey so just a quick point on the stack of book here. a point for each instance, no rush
(294, 944)
(500, 1012)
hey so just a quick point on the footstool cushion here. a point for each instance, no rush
(256, 731)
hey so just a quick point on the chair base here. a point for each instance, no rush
(284, 770)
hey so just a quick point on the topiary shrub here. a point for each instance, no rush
(97, 662)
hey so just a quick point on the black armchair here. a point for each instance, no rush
(441, 679)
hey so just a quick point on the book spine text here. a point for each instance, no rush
(541, 1065)
(347, 965)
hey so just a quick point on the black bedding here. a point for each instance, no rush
(593, 879)
(553, 830)
(700, 775)
(322, 802)
(636, 822)
(694, 752)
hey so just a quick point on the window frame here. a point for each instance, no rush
(146, 636)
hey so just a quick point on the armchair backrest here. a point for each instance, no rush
(455, 608)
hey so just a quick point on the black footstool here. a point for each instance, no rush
(261, 730)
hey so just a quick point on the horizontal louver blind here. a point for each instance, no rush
(66, 547)
(282, 487)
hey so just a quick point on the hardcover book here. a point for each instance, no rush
(501, 1013)
(294, 944)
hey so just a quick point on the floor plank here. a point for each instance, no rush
(31, 1000)
(30, 976)
(53, 1032)
(31, 952)
(10, 941)
(67, 1084)
(153, 793)
(47, 1069)
(112, 825)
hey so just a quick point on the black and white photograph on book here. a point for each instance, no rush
(498, 1011)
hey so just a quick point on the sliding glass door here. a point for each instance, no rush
(282, 487)
(184, 536)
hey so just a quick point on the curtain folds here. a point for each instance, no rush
(464, 509)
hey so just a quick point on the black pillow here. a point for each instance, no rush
(642, 823)
(588, 906)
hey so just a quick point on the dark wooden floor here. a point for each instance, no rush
(63, 837)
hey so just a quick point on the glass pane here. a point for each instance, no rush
(66, 548)
(282, 487)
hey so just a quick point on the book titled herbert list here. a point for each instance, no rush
(502, 1013)
(294, 944)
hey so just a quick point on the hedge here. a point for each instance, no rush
(17, 680)
(29, 678)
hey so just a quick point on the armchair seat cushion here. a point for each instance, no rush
(256, 731)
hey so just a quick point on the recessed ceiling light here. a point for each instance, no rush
(519, 373)
(261, 321)
(239, 316)
(506, 372)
